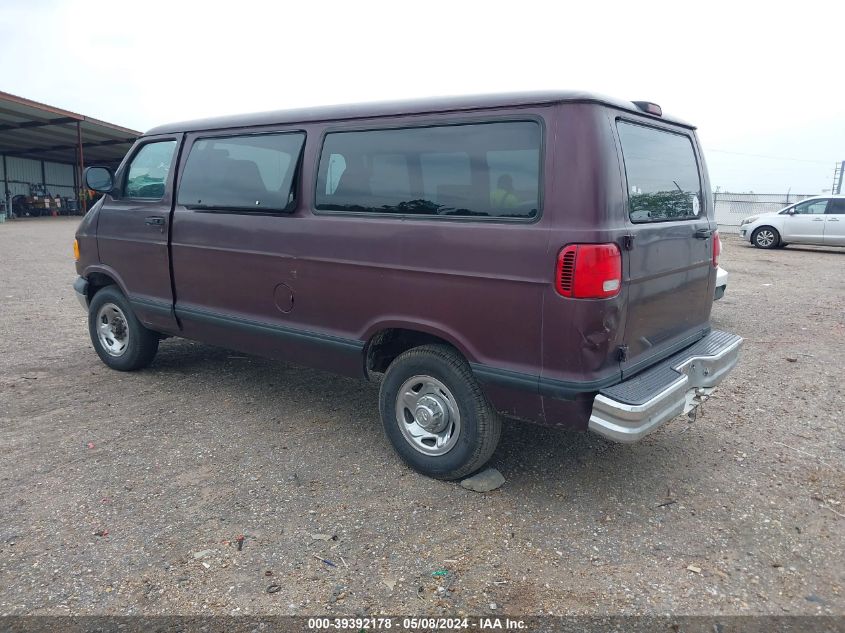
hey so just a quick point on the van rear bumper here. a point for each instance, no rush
(635, 407)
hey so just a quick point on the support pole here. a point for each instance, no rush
(7, 194)
(81, 166)
(76, 189)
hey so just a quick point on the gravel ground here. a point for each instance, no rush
(127, 493)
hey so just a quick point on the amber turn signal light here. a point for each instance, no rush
(76, 250)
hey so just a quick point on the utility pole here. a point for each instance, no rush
(838, 174)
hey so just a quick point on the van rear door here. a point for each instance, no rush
(670, 272)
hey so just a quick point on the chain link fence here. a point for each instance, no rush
(731, 208)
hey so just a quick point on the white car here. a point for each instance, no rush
(721, 283)
(819, 220)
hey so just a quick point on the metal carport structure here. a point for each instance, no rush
(42, 144)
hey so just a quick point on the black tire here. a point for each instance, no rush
(475, 430)
(783, 244)
(140, 344)
(765, 237)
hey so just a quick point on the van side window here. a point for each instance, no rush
(148, 171)
(662, 172)
(241, 173)
(485, 170)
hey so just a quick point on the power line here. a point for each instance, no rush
(800, 160)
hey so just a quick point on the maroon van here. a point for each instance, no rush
(549, 257)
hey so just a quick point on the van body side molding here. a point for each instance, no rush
(142, 303)
(351, 346)
(558, 389)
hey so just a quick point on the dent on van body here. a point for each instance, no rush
(581, 337)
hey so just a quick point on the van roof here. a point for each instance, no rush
(400, 108)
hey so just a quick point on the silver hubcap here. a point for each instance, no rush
(428, 415)
(765, 238)
(112, 329)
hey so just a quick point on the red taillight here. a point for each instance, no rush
(589, 271)
(565, 274)
(717, 248)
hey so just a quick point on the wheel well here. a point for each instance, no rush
(387, 344)
(766, 226)
(98, 281)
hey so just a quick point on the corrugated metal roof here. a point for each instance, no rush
(29, 129)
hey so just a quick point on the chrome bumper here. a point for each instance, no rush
(630, 410)
(80, 289)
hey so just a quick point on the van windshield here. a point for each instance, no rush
(662, 173)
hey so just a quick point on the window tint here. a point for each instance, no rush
(663, 182)
(241, 172)
(390, 176)
(481, 170)
(443, 173)
(148, 171)
(812, 207)
(836, 206)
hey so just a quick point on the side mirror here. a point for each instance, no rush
(99, 179)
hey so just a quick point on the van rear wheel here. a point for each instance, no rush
(435, 415)
(118, 337)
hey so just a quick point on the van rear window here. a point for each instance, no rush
(241, 173)
(484, 170)
(662, 173)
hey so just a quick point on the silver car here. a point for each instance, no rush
(721, 283)
(819, 220)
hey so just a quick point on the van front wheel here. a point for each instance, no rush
(435, 414)
(118, 337)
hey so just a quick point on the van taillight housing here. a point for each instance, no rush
(589, 271)
(717, 248)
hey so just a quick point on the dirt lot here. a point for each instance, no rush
(125, 493)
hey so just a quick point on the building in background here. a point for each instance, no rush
(43, 151)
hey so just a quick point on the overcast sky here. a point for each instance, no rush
(763, 84)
